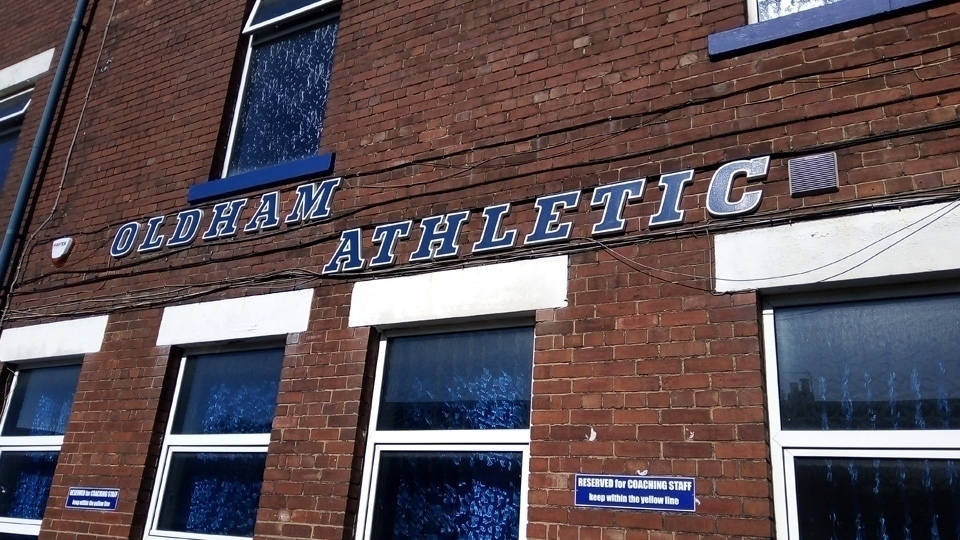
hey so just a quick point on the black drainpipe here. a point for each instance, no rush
(36, 152)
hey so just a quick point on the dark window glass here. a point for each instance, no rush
(448, 495)
(269, 9)
(25, 479)
(229, 393)
(8, 143)
(9, 536)
(281, 115)
(15, 105)
(460, 380)
(888, 364)
(41, 401)
(877, 498)
(213, 493)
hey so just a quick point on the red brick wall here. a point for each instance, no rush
(443, 106)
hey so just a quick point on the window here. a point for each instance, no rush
(449, 436)
(283, 96)
(34, 421)
(215, 448)
(864, 401)
(777, 21)
(12, 109)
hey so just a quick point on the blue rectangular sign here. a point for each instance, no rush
(662, 493)
(93, 498)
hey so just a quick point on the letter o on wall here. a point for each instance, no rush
(125, 239)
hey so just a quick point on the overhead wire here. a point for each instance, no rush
(589, 142)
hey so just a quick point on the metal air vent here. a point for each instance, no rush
(812, 175)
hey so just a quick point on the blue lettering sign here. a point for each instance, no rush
(548, 228)
(225, 218)
(490, 238)
(439, 238)
(614, 198)
(154, 240)
(123, 242)
(387, 236)
(188, 223)
(268, 214)
(93, 498)
(672, 186)
(660, 493)
(721, 187)
(349, 254)
(313, 202)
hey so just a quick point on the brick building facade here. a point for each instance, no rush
(450, 269)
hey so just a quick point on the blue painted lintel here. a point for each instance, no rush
(261, 178)
(793, 26)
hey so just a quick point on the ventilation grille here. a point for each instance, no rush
(810, 175)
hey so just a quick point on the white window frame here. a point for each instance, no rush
(194, 444)
(14, 117)
(786, 445)
(43, 443)
(263, 32)
(474, 440)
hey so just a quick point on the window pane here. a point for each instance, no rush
(281, 115)
(877, 498)
(771, 9)
(25, 479)
(213, 493)
(8, 143)
(460, 380)
(15, 105)
(270, 9)
(41, 401)
(888, 364)
(229, 393)
(9, 536)
(455, 495)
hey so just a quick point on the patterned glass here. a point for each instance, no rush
(281, 115)
(8, 143)
(460, 380)
(41, 401)
(269, 9)
(876, 365)
(229, 393)
(877, 499)
(213, 493)
(25, 479)
(448, 496)
(771, 9)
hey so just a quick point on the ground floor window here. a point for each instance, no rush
(215, 448)
(34, 421)
(864, 400)
(449, 435)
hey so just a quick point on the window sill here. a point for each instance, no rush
(767, 33)
(261, 178)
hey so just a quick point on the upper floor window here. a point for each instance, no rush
(31, 433)
(12, 109)
(279, 115)
(764, 10)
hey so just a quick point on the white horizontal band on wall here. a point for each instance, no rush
(912, 240)
(25, 70)
(514, 287)
(237, 318)
(53, 340)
